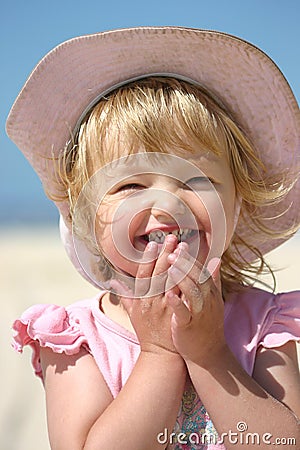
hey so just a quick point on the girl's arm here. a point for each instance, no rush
(239, 405)
(276, 370)
(230, 395)
(82, 414)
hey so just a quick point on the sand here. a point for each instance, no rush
(35, 269)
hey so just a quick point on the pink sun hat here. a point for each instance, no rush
(72, 77)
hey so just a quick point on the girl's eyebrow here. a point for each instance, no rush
(205, 154)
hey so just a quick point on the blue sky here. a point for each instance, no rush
(29, 29)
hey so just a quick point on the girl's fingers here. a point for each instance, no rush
(181, 247)
(181, 314)
(120, 288)
(145, 269)
(152, 272)
(194, 281)
(162, 263)
(189, 266)
(214, 267)
(192, 290)
(169, 284)
(159, 277)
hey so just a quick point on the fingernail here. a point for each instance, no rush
(170, 238)
(183, 246)
(172, 257)
(151, 246)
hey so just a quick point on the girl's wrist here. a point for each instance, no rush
(212, 359)
(162, 356)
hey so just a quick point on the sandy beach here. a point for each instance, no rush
(35, 269)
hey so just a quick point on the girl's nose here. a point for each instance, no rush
(166, 205)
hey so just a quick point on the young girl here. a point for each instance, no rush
(172, 155)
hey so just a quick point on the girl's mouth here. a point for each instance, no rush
(159, 236)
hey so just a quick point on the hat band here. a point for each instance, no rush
(177, 76)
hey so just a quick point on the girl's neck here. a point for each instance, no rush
(111, 306)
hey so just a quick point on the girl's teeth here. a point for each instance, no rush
(159, 235)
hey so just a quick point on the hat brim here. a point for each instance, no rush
(246, 80)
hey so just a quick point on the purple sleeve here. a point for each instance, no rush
(285, 324)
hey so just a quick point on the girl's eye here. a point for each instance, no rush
(198, 182)
(129, 187)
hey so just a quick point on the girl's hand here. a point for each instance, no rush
(198, 311)
(148, 309)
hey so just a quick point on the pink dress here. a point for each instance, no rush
(253, 317)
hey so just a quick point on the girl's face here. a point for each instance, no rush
(145, 196)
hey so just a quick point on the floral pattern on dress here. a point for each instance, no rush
(194, 429)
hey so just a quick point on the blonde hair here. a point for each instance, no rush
(161, 114)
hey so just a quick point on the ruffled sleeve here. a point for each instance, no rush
(47, 326)
(284, 321)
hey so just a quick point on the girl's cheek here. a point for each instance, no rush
(215, 233)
